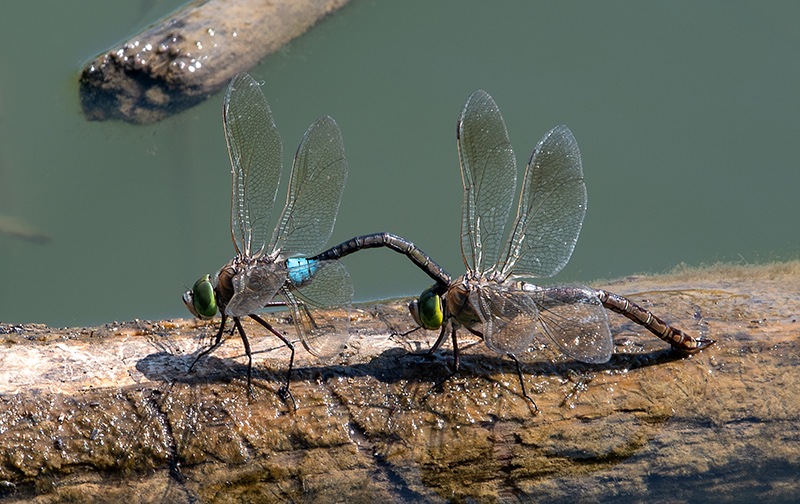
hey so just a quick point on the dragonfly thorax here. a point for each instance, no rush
(223, 285)
(458, 302)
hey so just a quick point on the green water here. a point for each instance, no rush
(686, 115)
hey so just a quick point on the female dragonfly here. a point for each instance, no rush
(488, 300)
(273, 274)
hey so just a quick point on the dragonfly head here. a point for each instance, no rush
(201, 300)
(427, 310)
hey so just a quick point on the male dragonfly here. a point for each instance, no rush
(489, 300)
(262, 274)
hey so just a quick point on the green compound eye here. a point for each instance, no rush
(203, 300)
(427, 310)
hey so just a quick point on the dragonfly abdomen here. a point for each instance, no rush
(678, 339)
(301, 269)
(391, 241)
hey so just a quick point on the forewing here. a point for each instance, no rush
(315, 191)
(508, 317)
(324, 332)
(551, 209)
(489, 176)
(254, 287)
(255, 150)
(576, 321)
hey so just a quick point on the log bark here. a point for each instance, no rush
(111, 413)
(190, 55)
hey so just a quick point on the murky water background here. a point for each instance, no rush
(686, 115)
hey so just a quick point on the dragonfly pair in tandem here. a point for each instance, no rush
(488, 300)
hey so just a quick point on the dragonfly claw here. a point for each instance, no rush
(285, 394)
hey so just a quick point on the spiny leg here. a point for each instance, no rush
(249, 354)
(679, 340)
(431, 350)
(440, 339)
(405, 333)
(522, 383)
(214, 346)
(284, 391)
(456, 362)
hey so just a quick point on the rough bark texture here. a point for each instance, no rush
(110, 413)
(190, 55)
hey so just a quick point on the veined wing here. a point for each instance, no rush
(325, 284)
(551, 209)
(315, 191)
(489, 175)
(255, 150)
(324, 333)
(575, 320)
(255, 286)
(508, 316)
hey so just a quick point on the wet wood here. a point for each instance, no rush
(110, 413)
(190, 55)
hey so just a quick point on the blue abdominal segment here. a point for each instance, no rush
(301, 270)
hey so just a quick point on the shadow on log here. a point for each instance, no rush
(110, 413)
(191, 55)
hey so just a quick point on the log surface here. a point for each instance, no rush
(110, 413)
(190, 55)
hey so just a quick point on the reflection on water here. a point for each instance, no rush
(18, 228)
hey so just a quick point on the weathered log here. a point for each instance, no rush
(190, 55)
(110, 413)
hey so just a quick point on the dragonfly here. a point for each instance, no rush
(278, 273)
(491, 300)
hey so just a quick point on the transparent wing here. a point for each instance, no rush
(315, 191)
(254, 287)
(508, 317)
(323, 332)
(551, 209)
(254, 147)
(575, 320)
(489, 175)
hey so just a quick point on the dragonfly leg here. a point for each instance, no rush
(405, 333)
(522, 382)
(440, 339)
(442, 334)
(679, 340)
(456, 361)
(217, 343)
(454, 368)
(247, 352)
(284, 391)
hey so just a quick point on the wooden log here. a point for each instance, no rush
(190, 55)
(110, 413)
